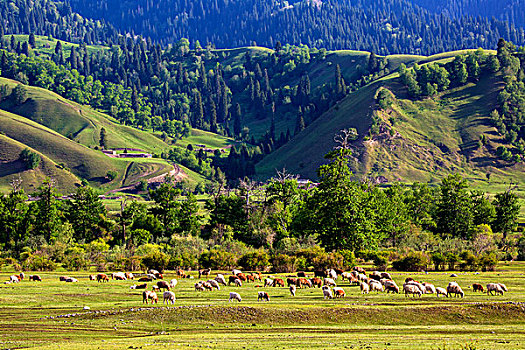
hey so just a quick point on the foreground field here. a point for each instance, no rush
(34, 314)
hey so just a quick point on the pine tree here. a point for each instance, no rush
(103, 141)
(237, 126)
(32, 41)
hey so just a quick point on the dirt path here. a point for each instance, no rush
(176, 173)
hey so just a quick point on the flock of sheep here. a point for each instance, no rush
(326, 280)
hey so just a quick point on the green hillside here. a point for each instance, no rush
(418, 140)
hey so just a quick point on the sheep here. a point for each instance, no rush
(120, 276)
(316, 281)
(145, 279)
(152, 276)
(14, 278)
(214, 284)
(441, 291)
(204, 272)
(365, 289)
(332, 274)
(339, 292)
(411, 289)
(263, 296)
(199, 287)
(236, 272)
(149, 295)
(477, 287)
(35, 278)
(181, 273)
(290, 281)
(359, 269)
(153, 272)
(129, 275)
(102, 277)
(21, 275)
(268, 282)
(300, 282)
(233, 279)
(320, 273)
(173, 283)
(235, 296)
(376, 275)
(386, 275)
(206, 285)
(163, 285)
(220, 279)
(92, 277)
(349, 276)
(292, 290)
(168, 296)
(504, 287)
(375, 286)
(241, 276)
(391, 286)
(418, 285)
(362, 277)
(327, 293)
(454, 288)
(278, 282)
(338, 271)
(494, 288)
(238, 283)
(329, 282)
(250, 278)
(71, 280)
(257, 276)
(429, 288)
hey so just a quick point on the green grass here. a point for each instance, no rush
(46, 45)
(118, 320)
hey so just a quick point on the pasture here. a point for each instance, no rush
(50, 314)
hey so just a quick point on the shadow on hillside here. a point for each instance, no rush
(12, 167)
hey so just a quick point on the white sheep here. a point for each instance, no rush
(504, 287)
(220, 279)
(71, 279)
(238, 283)
(327, 293)
(375, 285)
(390, 286)
(268, 282)
(441, 291)
(235, 272)
(199, 287)
(14, 279)
(386, 275)
(173, 283)
(454, 288)
(169, 296)
(332, 274)
(365, 289)
(429, 288)
(339, 292)
(292, 289)
(418, 286)
(235, 296)
(329, 282)
(411, 289)
(214, 284)
(494, 288)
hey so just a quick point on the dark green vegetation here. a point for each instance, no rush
(206, 319)
(385, 27)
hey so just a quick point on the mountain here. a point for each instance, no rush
(382, 26)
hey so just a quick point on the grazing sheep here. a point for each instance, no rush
(359, 269)
(362, 277)
(494, 288)
(257, 276)
(236, 272)
(320, 273)
(129, 275)
(35, 278)
(181, 273)
(199, 287)
(477, 287)
(418, 285)
(149, 295)
(375, 286)
(233, 279)
(409, 279)
(292, 290)
(441, 291)
(327, 293)
(300, 282)
(145, 279)
(153, 272)
(263, 296)
(454, 288)
(250, 278)
(376, 275)
(152, 276)
(332, 274)
(386, 275)
(220, 279)
(214, 284)
(411, 289)
(278, 282)
(365, 289)
(155, 288)
(206, 285)
(338, 271)
(168, 296)
(71, 280)
(235, 296)
(119, 276)
(61, 278)
(429, 288)
(349, 276)
(290, 281)
(102, 277)
(329, 282)
(241, 276)
(238, 283)
(339, 292)
(317, 282)
(204, 272)
(301, 274)
(173, 283)
(14, 278)
(391, 286)
(163, 285)
(504, 287)
(268, 282)
(92, 277)
(22, 276)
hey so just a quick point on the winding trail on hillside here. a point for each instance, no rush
(175, 173)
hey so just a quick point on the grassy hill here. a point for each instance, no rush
(419, 140)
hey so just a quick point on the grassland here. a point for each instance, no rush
(39, 315)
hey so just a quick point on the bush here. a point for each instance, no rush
(380, 259)
(488, 261)
(452, 259)
(111, 175)
(258, 260)
(156, 260)
(217, 259)
(75, 262)
(414, 261)
(30, 159)
(471, 262)
(438, 259)
(38, 262)
(283, 263)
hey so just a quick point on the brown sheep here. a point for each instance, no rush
(35, 278)
(317, 282)
(141, 286)
(291, 281)
(181, 273)
(204, 272)
(149, 295)
(232, 279)
(242, 276)
(263, 296)
(163, 285)
(477, 287)
(102, 277)
(359, 269)
(129, 275)
(250, 278)
(278, 282)
(257, 276)
(145, 279)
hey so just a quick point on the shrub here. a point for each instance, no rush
(488, 261)
(283, 263)
(111, 175)
(156, 260)
(438, 259)
(452, 259)
(38, 262)
(75, 262)
(258, 260)
(30, 159)
(471, 262)
(414, 261)
(380, 259)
